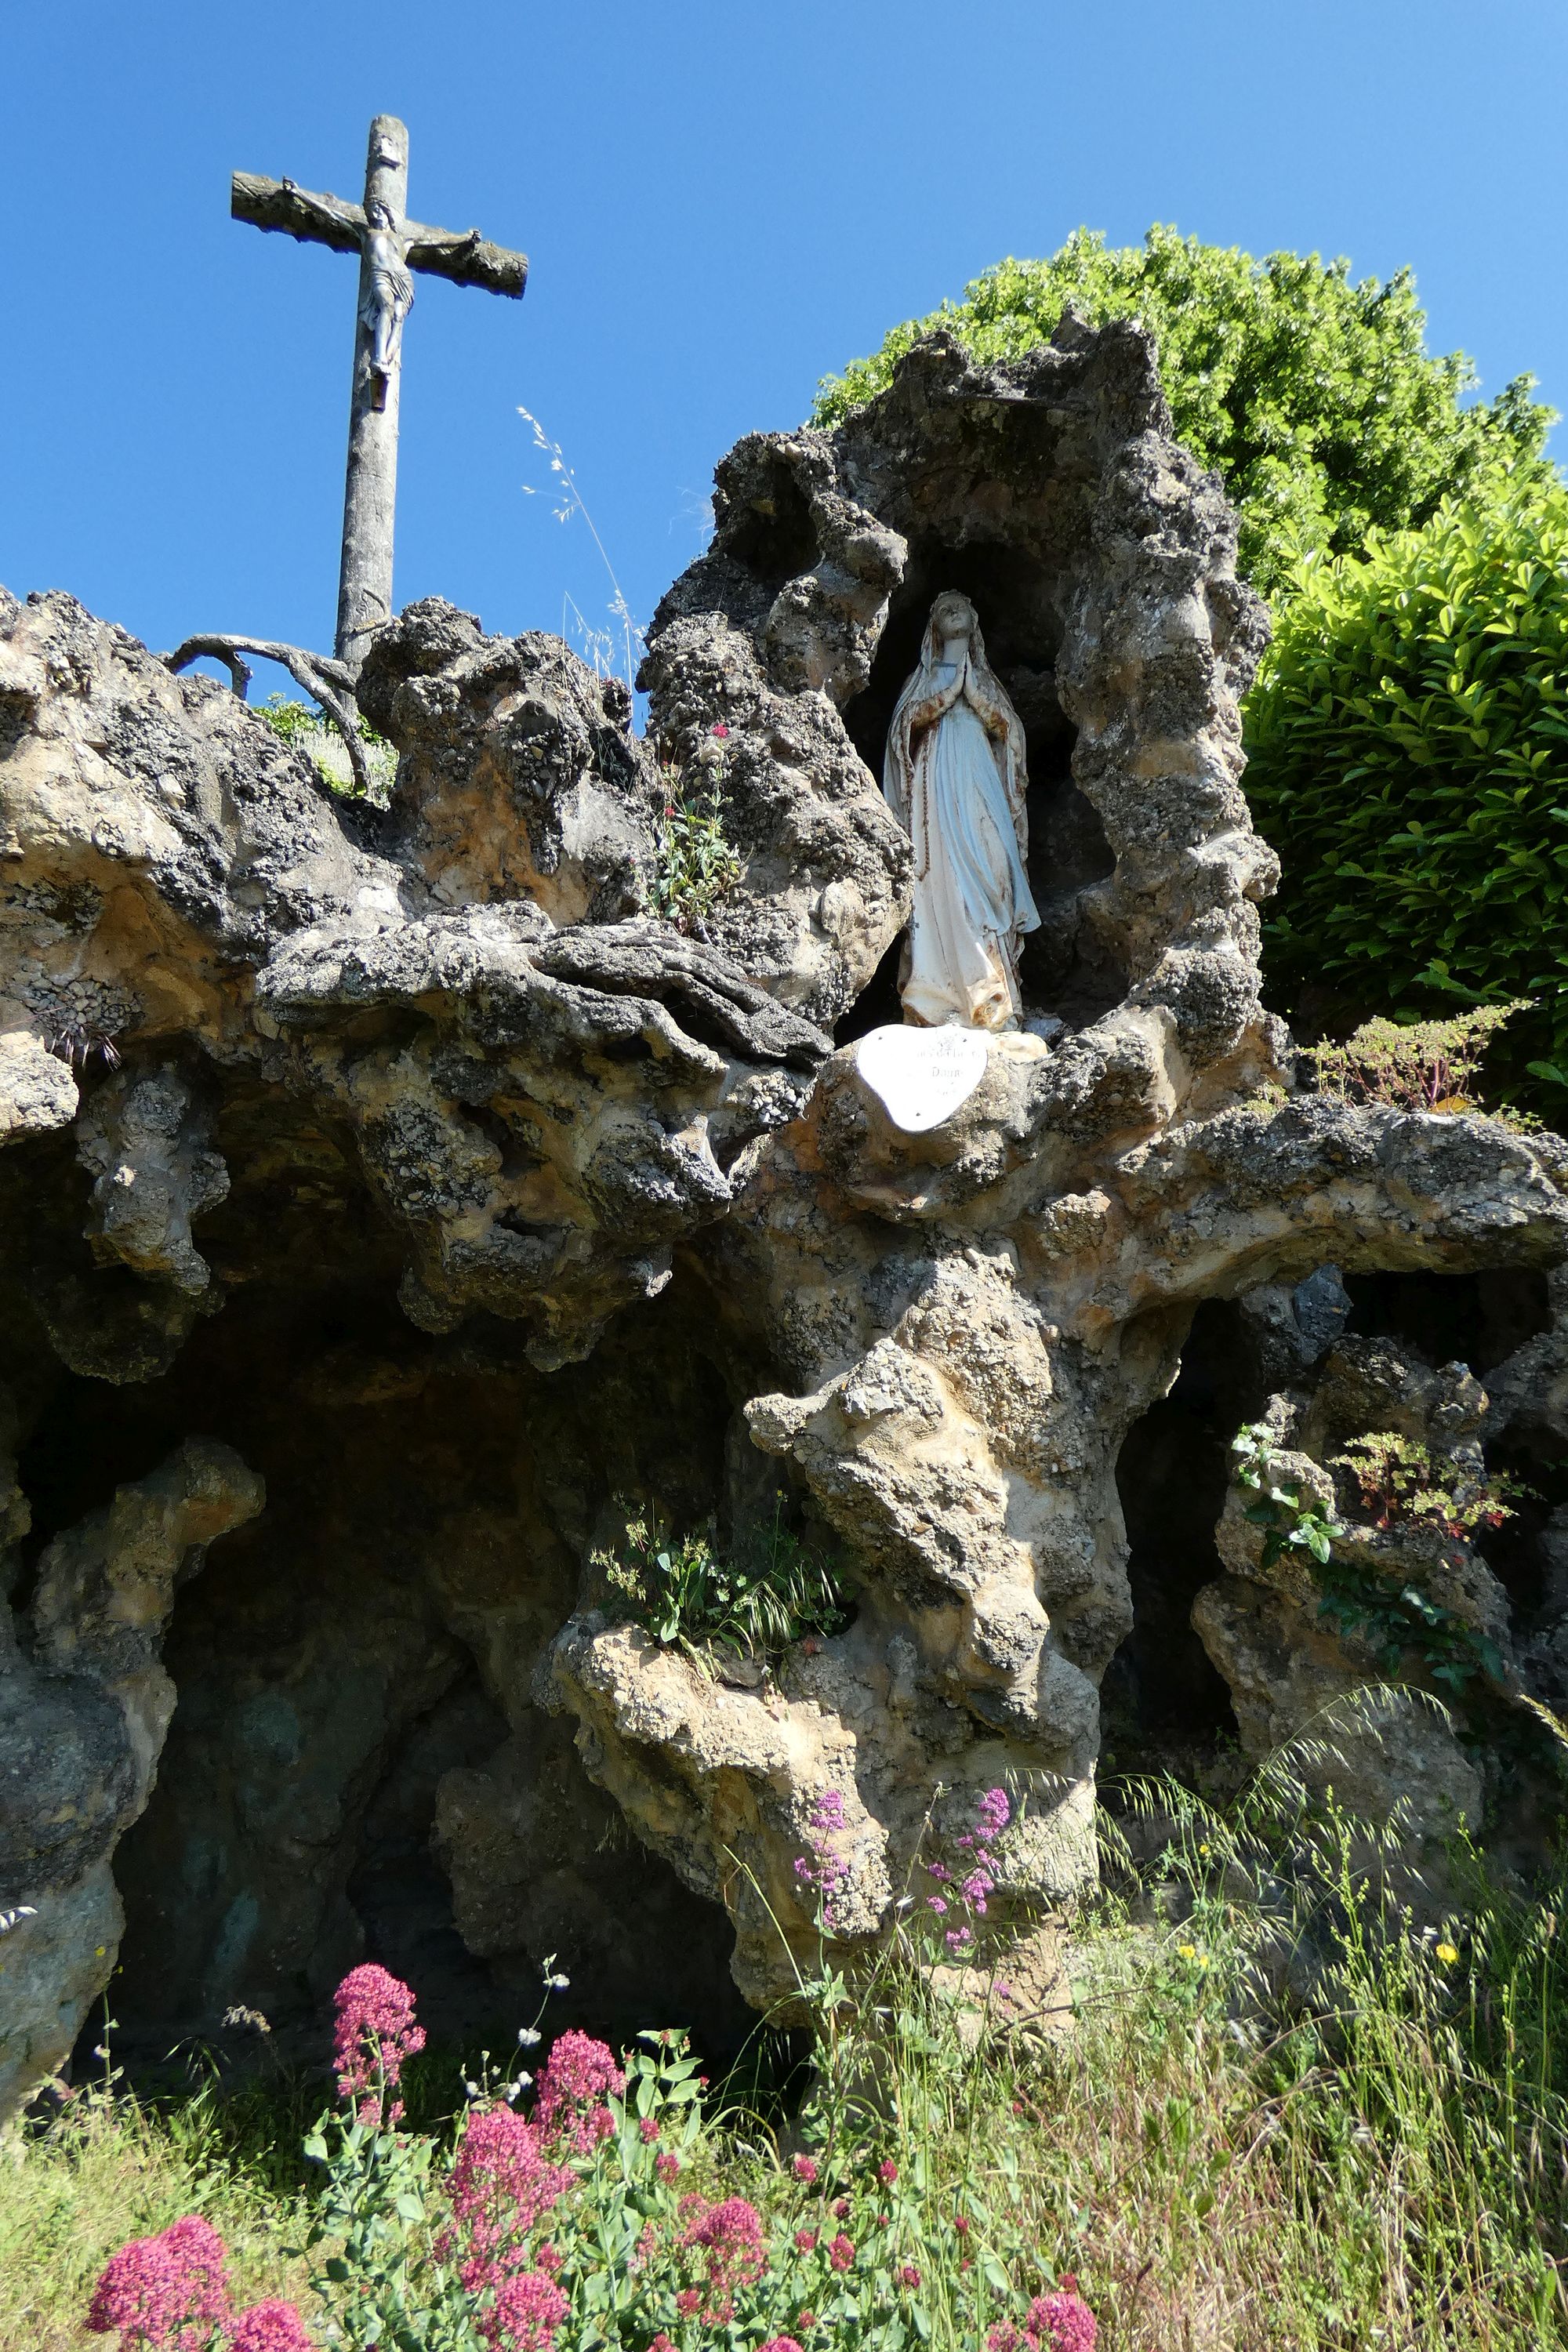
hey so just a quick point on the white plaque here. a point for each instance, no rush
(922, 1075)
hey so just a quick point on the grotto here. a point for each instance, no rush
(391, 1198)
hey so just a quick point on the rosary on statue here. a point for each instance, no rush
(390, 247)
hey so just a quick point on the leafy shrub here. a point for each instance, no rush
(695, 863)
(1408, 758)
(1400, 1481)
(1315, 399)
(306, 730)
(683, 1593)
(1411, 1066)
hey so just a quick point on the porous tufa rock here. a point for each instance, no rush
(533, 1203)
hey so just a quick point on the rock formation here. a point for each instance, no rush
(408, 1156)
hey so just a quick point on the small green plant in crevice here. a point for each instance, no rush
(1401, 1482)
(695, 862)
(1412, 1065)
(1404, 1484)
(1289, 1524)
(682, 1591)
(306, 730)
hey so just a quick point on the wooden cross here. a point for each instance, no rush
(389, 246)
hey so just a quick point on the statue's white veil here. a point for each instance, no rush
(898, 770)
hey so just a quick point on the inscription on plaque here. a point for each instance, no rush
(922, 1075)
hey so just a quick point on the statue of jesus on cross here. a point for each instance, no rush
(390, 247)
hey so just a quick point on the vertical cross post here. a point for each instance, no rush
(389, 246)
(370, 493)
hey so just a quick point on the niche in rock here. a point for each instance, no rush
(1065, 972)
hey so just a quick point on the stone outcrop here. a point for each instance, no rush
(408, 1155)
(86, 1704)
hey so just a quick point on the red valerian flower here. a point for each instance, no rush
(169, 2290)
(503, 2183)
(805, 2321)
(804, 2169)
(648, 2130)
(910, 2275)
(806, 2242)
(667, 2165)
(270, 2327)
(573, 2085)
(375, 2033)
(886, 2172)
(528, 2309)
(1062, 2322)
(841, 2252)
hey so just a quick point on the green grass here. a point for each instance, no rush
(1307, 2101)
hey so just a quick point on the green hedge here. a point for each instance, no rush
(1315, 399)
(1408, 742)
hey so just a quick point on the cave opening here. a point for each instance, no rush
(1162, 1699)
(357, 1767)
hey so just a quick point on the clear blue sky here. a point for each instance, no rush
(721, 202)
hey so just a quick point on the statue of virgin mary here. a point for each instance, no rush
(956, 780)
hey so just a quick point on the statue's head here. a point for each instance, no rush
(378, 215)
(952, 616)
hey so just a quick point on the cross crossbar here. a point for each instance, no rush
(464, 257)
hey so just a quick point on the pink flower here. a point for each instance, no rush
(728, 2239)
(960, 2223)
(503, 2185)
(841, 2209)
(375, 2033)
(804, 2169)
(1002, 2339)
(270, 2327)
(689, 2302)
(806, 2242)
(995, 1812)
(722, 731)
(805, 2321)
(956, 1938)
(841, 2252)
(934, 1903)
(780, 2344)
(528, 2309)
(667, 2166)
(573, 2082)
(661, 2343)
(1062, 2322)
(886, 2172)
(910, 2275)
(169, 2290)
(648, 2130)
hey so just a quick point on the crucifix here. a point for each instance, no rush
(389, 246)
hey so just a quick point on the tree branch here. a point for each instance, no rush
(331, 683)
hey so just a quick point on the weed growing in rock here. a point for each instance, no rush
(778, 1591)
(308, 731)
(695, 862)
(1414, 1065)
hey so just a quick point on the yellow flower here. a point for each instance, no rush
(1206, 1847)
(1447, 1954)
(1186, 1951)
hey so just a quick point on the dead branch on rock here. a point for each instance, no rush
(329, 682)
